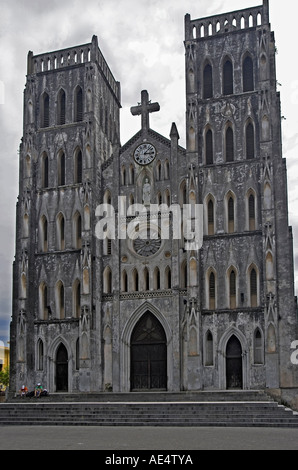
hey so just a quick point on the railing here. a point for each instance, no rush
(234, 21)
(58, 60)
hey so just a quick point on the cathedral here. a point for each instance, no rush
(105, 297)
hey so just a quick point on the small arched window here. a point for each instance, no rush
(250, 141)
(107, 280)
(208, 349)
(253, 288)
(124, 284)
(156, 279)
(43, 234)
(209, 147)
(228, 81)
(251, 213)
(146, 279)
(210, 209)
(61, 109)
(78, 167)
(231, 215)
(229, 144)
(40, 355)
(232, 289)
(43, 301)
(168, 278)
(258, 347)
(184, 275)
(60, 300)
(248, 74)
(45, 171)
(77, 228)
(207, 82)
(78, 104)
(212, 291)
(77, 299)
(60, 232)
(61, 169)
(135, 281)
(45, 110)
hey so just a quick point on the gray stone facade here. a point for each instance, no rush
(121, 314)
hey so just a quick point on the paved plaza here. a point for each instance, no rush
(145, 438)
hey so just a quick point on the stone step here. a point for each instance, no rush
(200, 396)
(148, 413)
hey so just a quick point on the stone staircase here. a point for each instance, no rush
(222, 408)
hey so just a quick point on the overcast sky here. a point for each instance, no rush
(142, 41)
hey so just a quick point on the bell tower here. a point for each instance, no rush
(234, 145)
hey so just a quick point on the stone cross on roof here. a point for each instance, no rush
(144, 108)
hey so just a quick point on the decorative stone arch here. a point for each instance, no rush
(253, 293)
(222, 347)
(52, 355)
(210, 290)
(210, 209)
(251, 209)
(125, 369)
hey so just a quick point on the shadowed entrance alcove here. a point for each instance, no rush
(148, 355)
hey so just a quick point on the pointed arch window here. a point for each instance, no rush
(78, 167)
(124, 282)
(209, 147)
(184, 275)
(168, 278)
(61, 109)
(231, 215)
(229, 144)
(253, 288)
(156, 279)
(40, 355)
(78, 104)
(228, 80)
(208, 349)
(158, 171)
(77, 227)
(135, 281)
(43, 234)
(146, 279)
(258, 347)
(45, 110)
(77, 299)
(232, 289)
(61, 169)
(210, 209)
(207, 82)
(107, 280)
(251, 212)
(45, 170)
(60, 232)
(60, 300)
(43, 301)
(248, 74)
(250, 141)
(212, 294)
(167, 170)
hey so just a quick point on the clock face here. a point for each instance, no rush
(145, 154)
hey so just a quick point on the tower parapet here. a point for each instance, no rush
(226, 23)
(72, 56)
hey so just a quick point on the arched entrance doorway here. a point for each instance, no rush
(148, 355)
(234, 366)
(62, 369)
